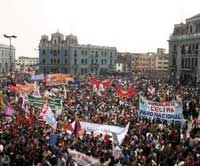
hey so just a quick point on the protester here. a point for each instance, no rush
(25, 140)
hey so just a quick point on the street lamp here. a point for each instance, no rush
(10, 37)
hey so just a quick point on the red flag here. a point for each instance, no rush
(125, 93)
(69, 127)
(77, 129)
(30, 118)
(19, 119)
(95, 82)
(106, 83)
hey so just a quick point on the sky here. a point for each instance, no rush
(130, 25)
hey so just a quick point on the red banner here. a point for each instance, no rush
(125, 93)
(57, 79)
(21, 88)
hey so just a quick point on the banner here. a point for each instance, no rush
(38, 102)
(57, 79)
(38, 77)
(101, 128)
(19, 88)
(169, 111)
(82, 159)
(125, 93)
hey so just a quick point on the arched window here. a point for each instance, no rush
(43, 61)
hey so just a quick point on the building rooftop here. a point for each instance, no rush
(6, 46)
(24, 57)
(193, 18)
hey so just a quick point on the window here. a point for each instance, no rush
(58, 61)
(92, 61)
(82, 61)
(105, 61)
(54, 61)
(43, 61)
(85, 52)
(195, 62)
(102, 61)
(85, 61)
(51, 61)
(82, 52)
(75, 61)
(96, 61)
(85, 70)
(66, 53)
(96, 54)
(58, 51)
(75, 70)
(75, 53)
(82, 70)
(43, 52)
(65, 61)
(54, 53)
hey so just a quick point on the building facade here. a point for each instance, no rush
(7, 58)
(23, 62)
(62, 54)
(124, 62)
(184, 51)
(151, 64)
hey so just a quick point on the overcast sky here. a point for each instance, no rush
(129, 25)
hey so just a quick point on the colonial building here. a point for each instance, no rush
(61, 54)
(7, 58)
(184, 53)
(151, 64)
(23, 62)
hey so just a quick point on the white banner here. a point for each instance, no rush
(101, 128)
(169, 111)
(82, 159)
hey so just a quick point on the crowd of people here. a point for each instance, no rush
(24, 141)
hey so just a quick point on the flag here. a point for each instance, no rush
(77, 129)
(8, 111)
(1, 102)
(43, 111)
(69, 127)
(5, 107)
(38, 102)
(125, 93)
(50, 118)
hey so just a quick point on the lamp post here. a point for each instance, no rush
(10, 59)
